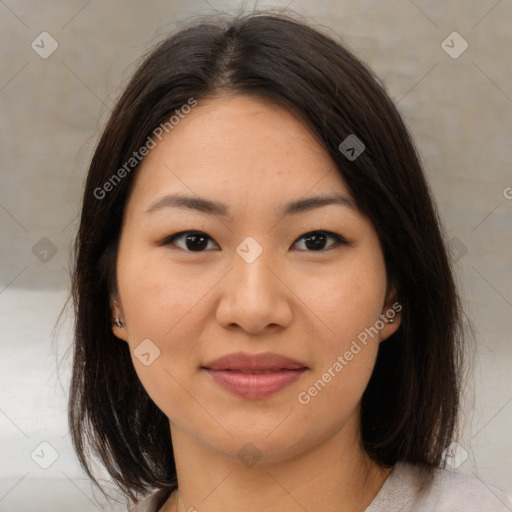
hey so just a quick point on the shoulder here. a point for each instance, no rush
(410, 487)
(453, 488)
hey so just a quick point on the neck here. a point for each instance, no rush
(335, 476)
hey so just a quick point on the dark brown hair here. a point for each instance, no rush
(410, 407)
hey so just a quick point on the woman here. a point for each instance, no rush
(266, 314)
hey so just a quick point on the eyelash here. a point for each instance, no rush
(338, 239)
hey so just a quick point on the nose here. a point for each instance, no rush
(254, 297)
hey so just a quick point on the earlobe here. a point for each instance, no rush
(118, 324)
(119, 332)
(391, 325)
(391, 315)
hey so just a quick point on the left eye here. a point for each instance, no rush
(197, 241)
(316, 240)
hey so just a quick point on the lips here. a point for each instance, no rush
(254, 363)
(254, 375)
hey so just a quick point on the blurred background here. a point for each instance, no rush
(446, 64)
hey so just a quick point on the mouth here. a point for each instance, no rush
(255, 375)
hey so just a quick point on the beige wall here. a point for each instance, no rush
(459, 110)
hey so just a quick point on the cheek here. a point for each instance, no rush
(159, 305)
(348, 299)
(156, 296)
(346, 352)
(346, 306)
(164, 383)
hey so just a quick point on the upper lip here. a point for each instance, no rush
(244, 361)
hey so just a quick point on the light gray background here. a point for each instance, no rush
(460, 113)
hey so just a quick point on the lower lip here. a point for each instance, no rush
(255, 385)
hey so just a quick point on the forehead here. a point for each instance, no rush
(235, 147)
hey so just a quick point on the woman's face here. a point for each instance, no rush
(252, 284)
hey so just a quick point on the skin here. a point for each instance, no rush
(292, 300)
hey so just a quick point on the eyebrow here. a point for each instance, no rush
(211, 207)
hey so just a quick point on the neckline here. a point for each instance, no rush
(402, 475)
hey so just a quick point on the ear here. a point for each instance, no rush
(117, 312)
(392, 311)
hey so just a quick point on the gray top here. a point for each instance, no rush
(407, 489)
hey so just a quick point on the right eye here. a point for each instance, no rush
(191, 241)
